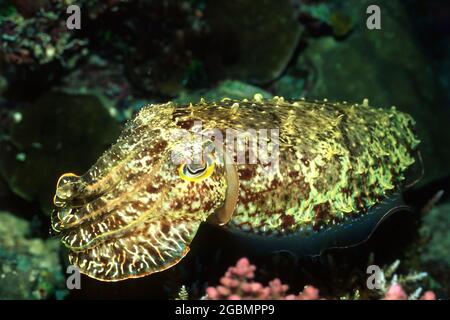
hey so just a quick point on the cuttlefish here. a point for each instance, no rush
(338, 169)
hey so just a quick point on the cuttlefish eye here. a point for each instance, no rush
(197, 171)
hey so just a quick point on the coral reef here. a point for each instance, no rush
(162, 36)
(238, 284)
(396, 292)
(104, 78)
(31, 33)
(30, 267)
(63, 94)
(35, 32)
(392, 285)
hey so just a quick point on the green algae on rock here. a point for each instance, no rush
(30, 268)
(436, 252)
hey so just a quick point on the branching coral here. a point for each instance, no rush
(238, 284)
(35, 32)
(396, 292)
(37, 39)
(392, 285)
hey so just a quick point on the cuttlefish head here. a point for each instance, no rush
(137, 209)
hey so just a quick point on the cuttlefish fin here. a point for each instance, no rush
(151, 247)
(306, 242)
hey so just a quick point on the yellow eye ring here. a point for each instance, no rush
(185, 175)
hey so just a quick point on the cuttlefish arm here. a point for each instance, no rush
(155, 245)
(125, 233)
(131, 215)
(152, 247)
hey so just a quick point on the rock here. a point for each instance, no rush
(30, 268)
(3, 84)
(387, 66)
(341, 23)
(57, 134)
(328, 13)
(436, 225)
(290, 86)
(105, 79)
(259, 39)
(161, 45)
(436, 253)
(4, 190)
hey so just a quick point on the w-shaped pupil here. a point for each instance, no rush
(196, 169)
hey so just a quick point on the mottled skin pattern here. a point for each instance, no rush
(132, 214)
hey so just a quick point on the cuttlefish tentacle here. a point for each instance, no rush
(81, 198)
(73, 190)
(115, 206)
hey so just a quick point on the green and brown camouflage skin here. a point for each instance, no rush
(132, 215)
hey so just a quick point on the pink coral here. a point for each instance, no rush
(429, 295)
(238, 284)
(396, 292)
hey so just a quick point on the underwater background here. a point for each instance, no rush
(66, 94)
